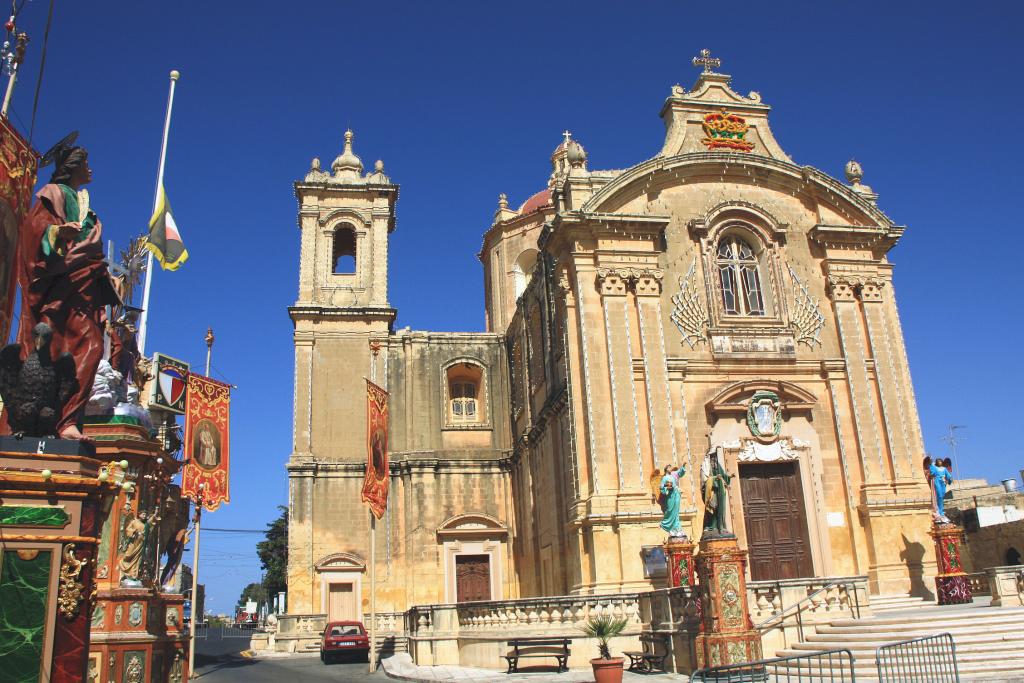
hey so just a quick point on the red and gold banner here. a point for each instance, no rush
(17, 176)
(207, 422)
(375, 484)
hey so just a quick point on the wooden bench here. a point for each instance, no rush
(525, 648)
(647, 660)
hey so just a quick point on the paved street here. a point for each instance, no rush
(220, 661)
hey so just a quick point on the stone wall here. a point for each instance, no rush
(988, 546)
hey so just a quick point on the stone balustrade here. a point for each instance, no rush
(979, 584)
(542, 615)
(1006, 585)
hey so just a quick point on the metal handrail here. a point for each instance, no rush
(798, 606)
(837, 666)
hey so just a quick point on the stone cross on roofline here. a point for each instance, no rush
(567, 135)
(707, 61)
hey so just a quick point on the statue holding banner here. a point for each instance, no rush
(714, 481)
(64, 279)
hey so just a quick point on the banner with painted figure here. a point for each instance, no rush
(207, 422)
(17, 177)
(375, 483)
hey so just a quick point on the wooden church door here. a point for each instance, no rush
(775, 520)
(472, 578)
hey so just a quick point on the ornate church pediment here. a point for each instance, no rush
(736, 398)
(340, 562)
(472, 524)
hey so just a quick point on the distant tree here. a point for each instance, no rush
(273, 554)
(254, 591)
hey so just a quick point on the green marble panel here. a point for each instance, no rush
(103, 551)
(24, 515)
(24, 585)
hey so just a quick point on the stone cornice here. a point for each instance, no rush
(735, 160)
(856, 236)
(317, 311)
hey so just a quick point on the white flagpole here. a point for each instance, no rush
(156, 200)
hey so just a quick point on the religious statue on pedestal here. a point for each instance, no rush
(714, 482)
(939, 479)
(668, 497)
(64, 279)
(133, 544)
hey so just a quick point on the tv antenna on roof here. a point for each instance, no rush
(954, 440)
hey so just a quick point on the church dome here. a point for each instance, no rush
(538, 201)
(347, 162)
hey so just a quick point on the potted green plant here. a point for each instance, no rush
(607, 669)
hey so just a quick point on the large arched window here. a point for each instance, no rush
(739, 274)
(344, 251)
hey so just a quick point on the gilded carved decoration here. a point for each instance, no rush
(688, 311)
(69, 595)
(806, 318)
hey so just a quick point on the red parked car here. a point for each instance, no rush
(344, 638)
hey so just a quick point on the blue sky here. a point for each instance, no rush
(465, 100)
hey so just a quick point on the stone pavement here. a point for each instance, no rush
(401, 667)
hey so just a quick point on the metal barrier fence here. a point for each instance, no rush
(244, 630)
(830, 666)
(202, 629)
(921, 660)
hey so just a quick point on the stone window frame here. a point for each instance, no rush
(765, 235)
(483, 404)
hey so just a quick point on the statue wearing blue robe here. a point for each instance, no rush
(669, 499)
(940, 480)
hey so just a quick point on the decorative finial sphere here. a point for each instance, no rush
(104, 475)
(46, 474)
(175, 75)
(854, 172)
(159, 461)
(127, 486)
(378, 166)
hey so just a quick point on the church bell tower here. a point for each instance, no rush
(345, 220)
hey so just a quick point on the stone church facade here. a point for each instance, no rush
(717, 296)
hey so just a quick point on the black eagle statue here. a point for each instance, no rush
(35, 390)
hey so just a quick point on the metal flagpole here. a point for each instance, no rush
(19, 56)
(209, 347)
(195, 582)
(373, 592)
(156, 202)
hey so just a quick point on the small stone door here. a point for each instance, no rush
(775, 520)
(472, 578)
(342, 603)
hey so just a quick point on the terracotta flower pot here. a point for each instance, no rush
(607, 670)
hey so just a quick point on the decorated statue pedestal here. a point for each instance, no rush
(54, 497)
(726, 634)
(138, 629)
(679, 557)
(951, 584)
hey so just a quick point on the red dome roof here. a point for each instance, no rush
(536, 202)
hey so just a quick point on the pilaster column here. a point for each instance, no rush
(842, 288)
(872, 296)
(647, 286)
(612, 284)
(302, 408)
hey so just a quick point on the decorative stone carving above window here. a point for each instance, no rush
(688, 312)
(806, 318)
(340, 562)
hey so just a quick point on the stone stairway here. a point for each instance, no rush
(893, 603)
(989, 640)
